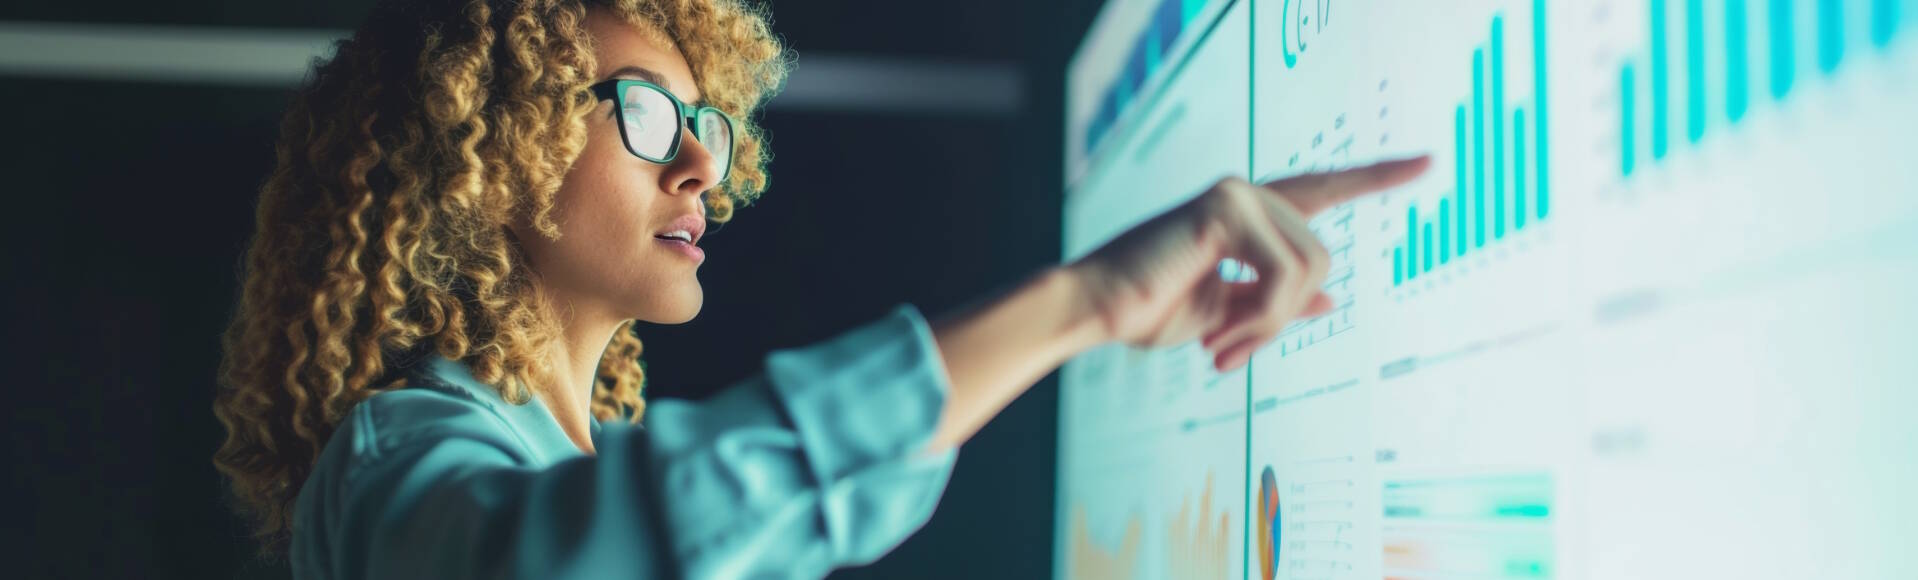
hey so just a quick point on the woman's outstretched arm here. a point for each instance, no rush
(813, 465)
(998, 349)
(1156, 285)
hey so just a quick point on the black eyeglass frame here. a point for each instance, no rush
(688, 116)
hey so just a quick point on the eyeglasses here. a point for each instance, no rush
(652, 119)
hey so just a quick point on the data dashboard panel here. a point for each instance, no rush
(1645, 317)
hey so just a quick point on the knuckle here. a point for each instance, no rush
(1219, 198)
(1289, 203)
(1320, 259)
(1235, 190)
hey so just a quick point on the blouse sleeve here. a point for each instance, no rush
(816, 464)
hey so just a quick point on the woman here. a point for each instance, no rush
(432, 370)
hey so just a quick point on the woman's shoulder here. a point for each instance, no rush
(420, 414)
(392, 444)
(436, 400)
(436, 405)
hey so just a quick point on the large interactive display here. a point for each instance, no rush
(1652, 313)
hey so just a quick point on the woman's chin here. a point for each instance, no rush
(679, 310)
(680, 319)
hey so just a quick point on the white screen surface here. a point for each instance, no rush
(1645, 318)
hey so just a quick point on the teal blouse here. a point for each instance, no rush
(820, 462)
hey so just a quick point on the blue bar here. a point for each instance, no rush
(1426, 247)
(1411, 240)
(1445, 231)
(1831, 34)
(1694, 69)
(1478, 140)
(1627, 91)
(1783, 67)
(1458, 130)
(1661, 96)
(1735, 71)
(1134, 74)
(1168, 25)
(1539, 102)
(1498, 125)
(1884, 21)
(1518, 169)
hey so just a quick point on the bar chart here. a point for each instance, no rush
(1198, 544)
(1092, 559)
(1717, 76)
(1501, 160)
(1493, 526)
(1154, 49)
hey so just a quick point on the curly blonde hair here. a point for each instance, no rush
(382, 232)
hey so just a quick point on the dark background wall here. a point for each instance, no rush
(128, 205)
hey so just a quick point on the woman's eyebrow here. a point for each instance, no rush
(644, 74)
(648, 75)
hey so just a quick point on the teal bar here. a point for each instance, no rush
(1783, 67)
(1190, 9)
(1735, 71)
(1471, 500)
(1478, 140)
(1411, 240)
(1398, 266)
(1627, 91)
(1494, 512)
(1539, 102)
(1445, 231)
(1458, 192)
(1152, 45)
(1498, 125)
(1426, 247)
(1660, 94)
(1831, 34)
(1695, 69)
(1528, 511)
(1884, 21)
(1518, 169)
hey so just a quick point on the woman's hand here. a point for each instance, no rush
(1158, 283)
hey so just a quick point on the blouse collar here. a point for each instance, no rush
(532, 422)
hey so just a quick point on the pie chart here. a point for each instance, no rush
(1269, 524)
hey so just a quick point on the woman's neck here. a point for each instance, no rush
(574, 363)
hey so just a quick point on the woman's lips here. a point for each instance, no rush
(690, 251)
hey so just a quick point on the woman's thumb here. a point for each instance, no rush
(1321, 303)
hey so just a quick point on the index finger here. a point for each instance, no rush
(1315, 192)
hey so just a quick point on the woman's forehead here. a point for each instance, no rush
(630, 50)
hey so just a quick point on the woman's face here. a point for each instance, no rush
(615, 210)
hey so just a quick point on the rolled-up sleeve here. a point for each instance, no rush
(818, 463)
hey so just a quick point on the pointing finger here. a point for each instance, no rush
(1315, 192)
